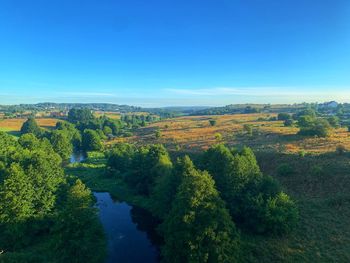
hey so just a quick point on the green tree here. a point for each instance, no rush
(30, 126)
(334, 121)
(212, 122)
(283, 116)
(158, 134)
(148, 164)
(248, 128)
(107, 130)
(73, 133)
(288, 123)
(243, 187)
(61, 143)
(91, 141)
(16, 196)
(80, 115)
(198, 227)
(120, 157)
(78, 236)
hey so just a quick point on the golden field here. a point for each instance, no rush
(16, 124)
(194, 133)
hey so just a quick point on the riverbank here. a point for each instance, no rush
(92, 171)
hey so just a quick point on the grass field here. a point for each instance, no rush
(14, 125)
(112, 115)
(194, 133)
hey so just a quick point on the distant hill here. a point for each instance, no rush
(252, 108)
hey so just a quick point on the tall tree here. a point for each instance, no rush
(30, 126)
(77, 230)
(198, 227)
(91, 140)
(61, 143)
(247, 191)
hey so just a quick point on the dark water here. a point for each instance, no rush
(130, 231)
(77, 157)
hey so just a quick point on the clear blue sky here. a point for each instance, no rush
(180, 52)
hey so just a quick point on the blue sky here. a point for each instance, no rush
(161, 53)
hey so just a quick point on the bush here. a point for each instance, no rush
(281, 214)
(318, 127)
(302, 153)
(218, 137)
(283, 116)
(285, 170)
(248, 128)
(212, 122)
(341, 149)
(288, 123)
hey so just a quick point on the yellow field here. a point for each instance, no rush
(16, 124)
(194, 133)
(112, 115)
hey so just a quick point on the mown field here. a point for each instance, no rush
(14, 125)
(194, 133)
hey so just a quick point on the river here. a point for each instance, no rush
(127, 239)
(130, 231)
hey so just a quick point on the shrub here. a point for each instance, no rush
(218, 137)
(281, 214)
(285, 170)
(288, 123)
(158, 134)
(341, 149)
(283, 116)
(302, 153)
(248, 128)
(212, 122)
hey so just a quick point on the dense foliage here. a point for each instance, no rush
(34, 194)
(313, 126)
(199, 209)
(198, 227)
(248, 193)
(30, 126)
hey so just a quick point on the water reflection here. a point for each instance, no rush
(77, 157)
(130, 231)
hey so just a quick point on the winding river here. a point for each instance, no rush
(126, 240)
(130, 231)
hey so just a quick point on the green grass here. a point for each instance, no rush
(94, 174)
(323, 233)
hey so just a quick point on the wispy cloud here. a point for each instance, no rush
(87, 94)
(296, 92)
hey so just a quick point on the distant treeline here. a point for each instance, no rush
(167, 112)
(273, 108)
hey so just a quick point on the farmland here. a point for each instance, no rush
(15, 124)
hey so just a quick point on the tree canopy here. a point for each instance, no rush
(198, 227)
